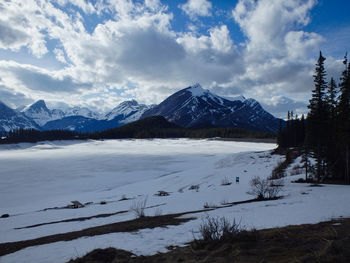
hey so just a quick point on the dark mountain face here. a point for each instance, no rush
(11, 119)
(38, 106)
(195, 106)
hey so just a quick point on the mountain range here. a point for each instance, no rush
(189, 107)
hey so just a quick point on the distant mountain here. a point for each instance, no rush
(42, 115)
(39, 113)
(11, 119)
(84, 120)
(82, 111)
(192, 107)
(196, 107)
(127, 111)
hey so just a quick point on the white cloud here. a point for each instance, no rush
(60, 55)
(267, 22)
(133, 51)
(277, 57)
(11, 38)
(280, 105)
(220, 37)
(195, 8)
(153, 4)
(300, 43)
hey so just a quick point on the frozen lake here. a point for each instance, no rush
(52, 173)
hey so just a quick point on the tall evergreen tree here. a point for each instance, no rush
(331, 140)
(317, 118)
(343, 123)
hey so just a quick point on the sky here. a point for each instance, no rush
(99, 53)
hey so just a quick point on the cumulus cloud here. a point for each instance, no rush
(195, 8)
(277, 57)
(60, 55)
(38, 79)
(11, 38)
(267, 22)
(133, 51)
(280, 105)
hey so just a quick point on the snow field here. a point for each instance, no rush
(50, 174)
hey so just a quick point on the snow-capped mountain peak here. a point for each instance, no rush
(37, 107)
(82, 111)
(197, 90)
(39, 112)
(237, 98)
(127, 111)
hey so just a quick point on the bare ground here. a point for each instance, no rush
(322, 242)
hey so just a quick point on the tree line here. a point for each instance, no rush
(32, 135)
(325, 133)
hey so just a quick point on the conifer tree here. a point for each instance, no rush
(317, 118)
(343, 123)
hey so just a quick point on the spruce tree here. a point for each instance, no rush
(343, 123)
(317, 118)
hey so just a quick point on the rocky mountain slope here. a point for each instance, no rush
(195, 106)
(11, 119)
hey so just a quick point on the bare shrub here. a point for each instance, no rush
(162, 193)
(123, 198)
(263, 189)
(139, 208)
(215, 229)
(278, 171)
(209, 205)
(194, 187)
(225, 181)
(224, 202)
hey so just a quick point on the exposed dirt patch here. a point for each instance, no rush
(74, 219)
(323, 242)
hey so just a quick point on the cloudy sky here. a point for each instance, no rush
(100, 53)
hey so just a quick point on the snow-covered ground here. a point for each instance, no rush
(52, 174)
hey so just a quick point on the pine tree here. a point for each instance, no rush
(317, 118)
(343, 123)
